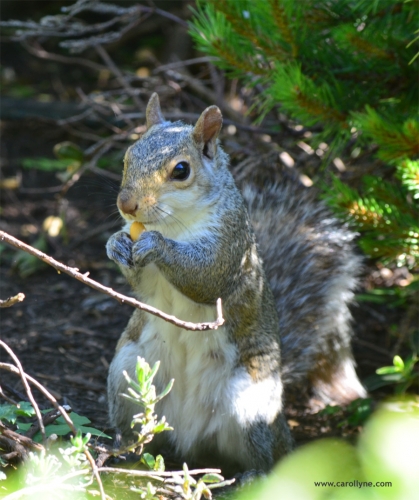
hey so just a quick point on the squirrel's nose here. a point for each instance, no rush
(127, 203)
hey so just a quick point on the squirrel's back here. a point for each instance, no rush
(312, 268)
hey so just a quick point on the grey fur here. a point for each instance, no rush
(300, 307)
(312, 269)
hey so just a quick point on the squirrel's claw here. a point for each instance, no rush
(147, 248)
(119, 249)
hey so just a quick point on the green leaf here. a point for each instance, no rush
(392, 377)
(77, 420)
(410, 363)
(154, 369)
(9, 412)
(374, 382)
(398, 362)
(68, 151)
(331, 410)
(148, 460)
(46, 164)
(27, 264)
(212, 478)
(384, 370)
(93, 432)
(64, 429)
(167, 389)
(24, 426)
(159, 465)
(61, 428)
(163, 426)
(360, 410)
(25, 409)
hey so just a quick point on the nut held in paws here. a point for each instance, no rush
(135, 230)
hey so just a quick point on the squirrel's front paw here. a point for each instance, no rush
(119, 248)
(147, 248)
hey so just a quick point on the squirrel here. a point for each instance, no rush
(284, 268)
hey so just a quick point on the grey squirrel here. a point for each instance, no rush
(284, 269)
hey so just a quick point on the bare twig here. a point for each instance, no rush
(123, 299)
(154, 474)
(11, 301)
(96, 473)
(102, 228)
(182, 64)
(169, 15)
(117, 72)
(16, 443)
(9, 400)
(17, 394)
(105, 173)
(47, 419)
(36, 49)
(205, 93)
(26, 386)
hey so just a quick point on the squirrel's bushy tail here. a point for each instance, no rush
(312, 268)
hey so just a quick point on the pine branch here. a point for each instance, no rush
(305, 101)
(383, 215)
(282, 22)
(408, 173)
(395, 142)
(216, 37)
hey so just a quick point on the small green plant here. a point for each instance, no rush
(143, 393)
(356, 413)
(401, 374)
(64, 469)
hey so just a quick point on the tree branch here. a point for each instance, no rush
(11, 301)
(123, 299)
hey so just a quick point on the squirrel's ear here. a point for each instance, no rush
(206, 130)
(153, 112)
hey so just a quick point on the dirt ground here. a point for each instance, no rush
(64, 333)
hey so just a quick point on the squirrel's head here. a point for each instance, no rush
(172, 167)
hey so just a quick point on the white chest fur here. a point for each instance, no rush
(202, 363)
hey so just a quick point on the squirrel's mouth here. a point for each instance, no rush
(143, 219)
(147, 215)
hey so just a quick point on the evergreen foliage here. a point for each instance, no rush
(348, 69)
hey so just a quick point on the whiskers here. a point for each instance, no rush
(168, 219)
(114, 216)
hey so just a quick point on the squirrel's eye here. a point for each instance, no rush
(181, 171)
